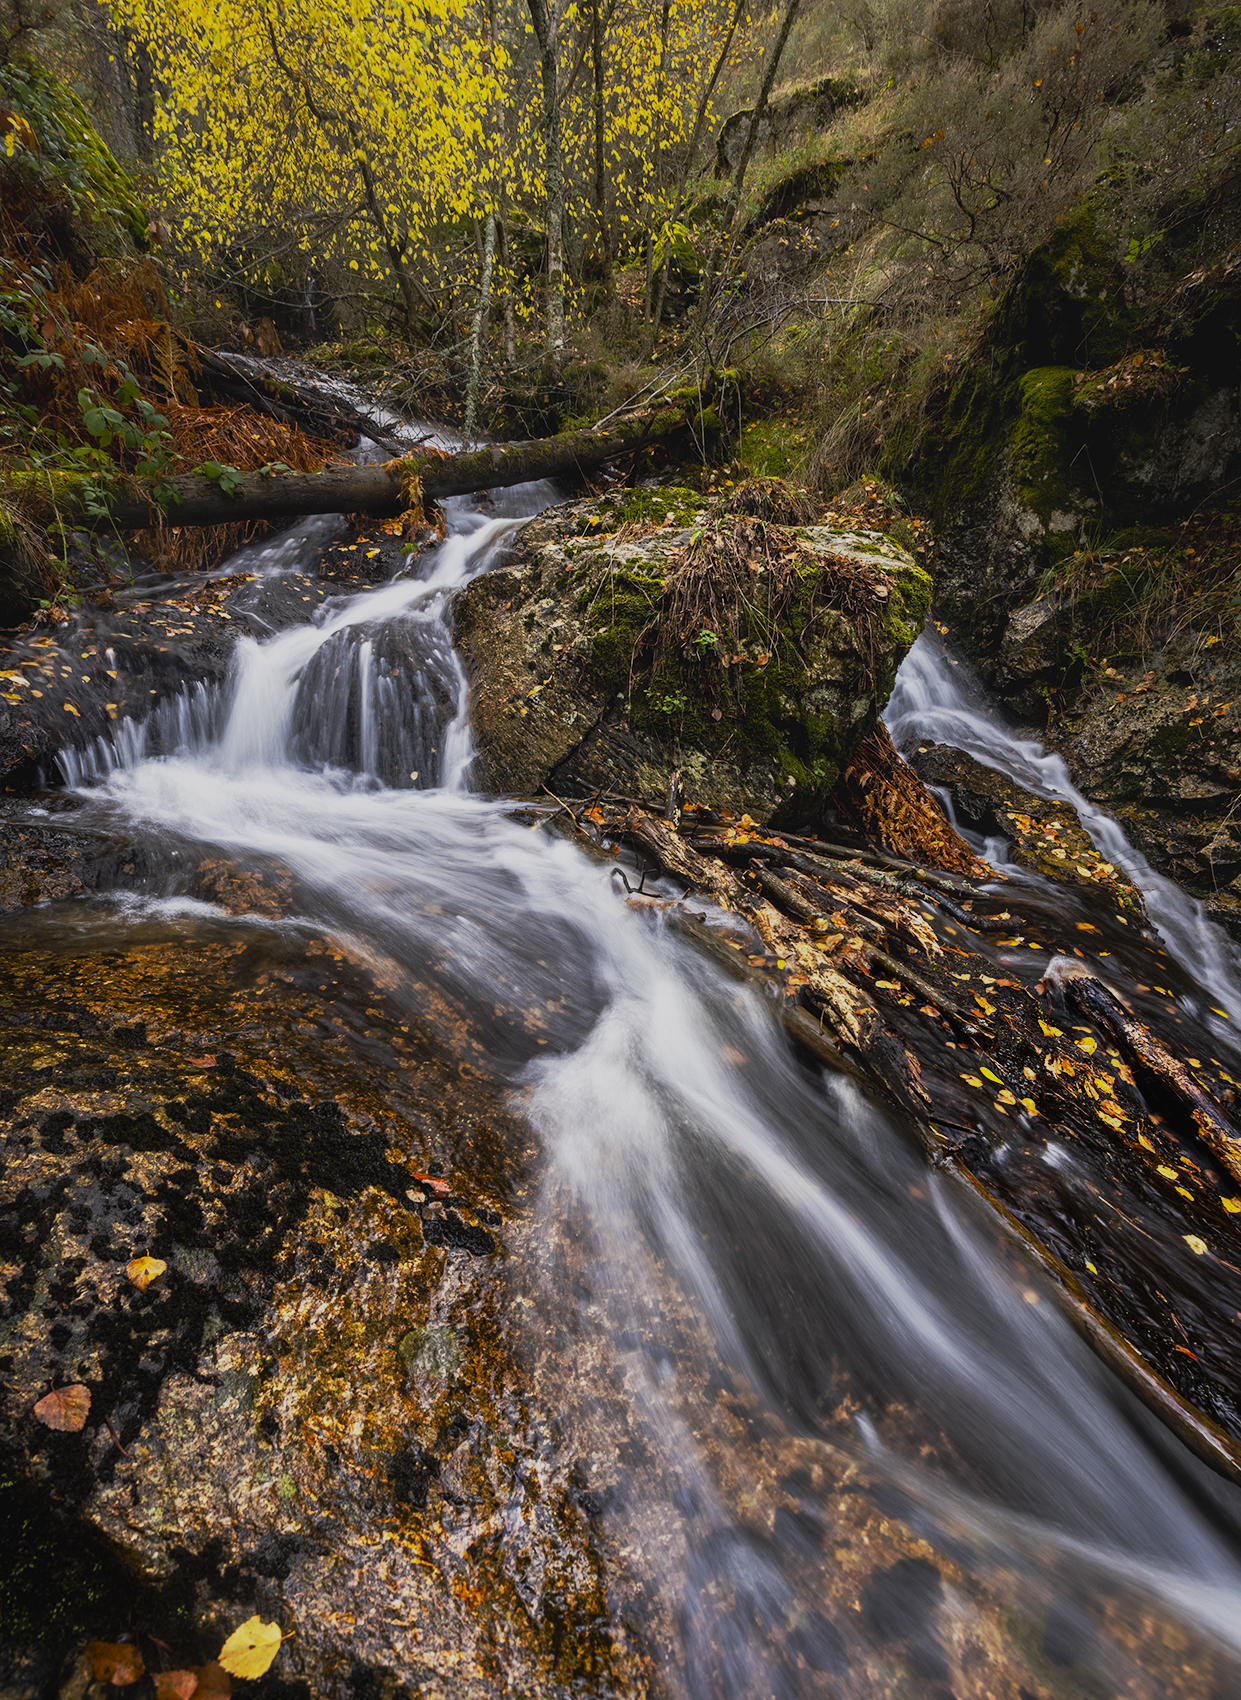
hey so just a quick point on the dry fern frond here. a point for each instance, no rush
(881, 798)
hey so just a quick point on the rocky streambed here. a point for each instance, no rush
(533, 1320)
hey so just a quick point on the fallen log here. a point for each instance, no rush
(383, 491)
(316, 411)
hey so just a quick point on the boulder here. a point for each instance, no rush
(649, 631)
(1092, 418)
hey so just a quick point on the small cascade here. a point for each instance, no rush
(757, 1262)
(180, 724)
(936, 699)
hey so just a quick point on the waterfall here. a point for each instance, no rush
(751, 1263)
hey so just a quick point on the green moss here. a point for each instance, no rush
(71, 150)
(909, 604)
(1036, 449)
(644, 507)
(622, 606)
(773, 448)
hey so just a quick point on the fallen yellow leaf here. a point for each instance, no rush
(1090, 1046)
(1195, 1243)
(1086, 926)
(143, 1270)
(1030, 1105)
(1051, 1032)
(987, 1075)
(1232, 1206)
(249, 1651)
(1167, 1173)
(971, 1080)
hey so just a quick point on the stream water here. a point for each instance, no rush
(758, 1256)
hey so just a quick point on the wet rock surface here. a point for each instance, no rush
(1160, 748)
(1043, 835)
(317, 1412)
(571, 690)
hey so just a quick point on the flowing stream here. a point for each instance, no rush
(757, 1256)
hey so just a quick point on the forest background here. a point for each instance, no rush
(527, 213)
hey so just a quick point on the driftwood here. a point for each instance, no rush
(385, 491)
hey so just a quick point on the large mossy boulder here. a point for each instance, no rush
(1094, 414)
(650, 630)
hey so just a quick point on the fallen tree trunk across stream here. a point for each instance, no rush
(384, 490)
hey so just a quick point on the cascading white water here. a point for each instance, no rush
(731, 1220)
(937, 700)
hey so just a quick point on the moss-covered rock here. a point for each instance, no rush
(577, 684)
(56, 143)
(1091, 414)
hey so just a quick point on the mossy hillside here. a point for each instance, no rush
(70, 155)
(1078, 415)
(774, 448)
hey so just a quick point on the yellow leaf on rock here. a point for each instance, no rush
(249, 1651)
(143, 1270)
(987, 1075)
(1195, 1243)
(1232, 1206)
(971, 1080)
(1030, 1105)
(1090, 1046)
(1051, 1032)
(1167, 1173)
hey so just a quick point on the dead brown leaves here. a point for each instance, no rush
(881, 797)
(117, 1662)
(200, 1682)
(65, 1408)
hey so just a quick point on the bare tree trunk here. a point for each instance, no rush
(144, 101)
(478, 331)
(510, 317)
(691, 155)
(732, 222)
(601, 210)
(659, 95)
(546, 21)
(764, 94)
